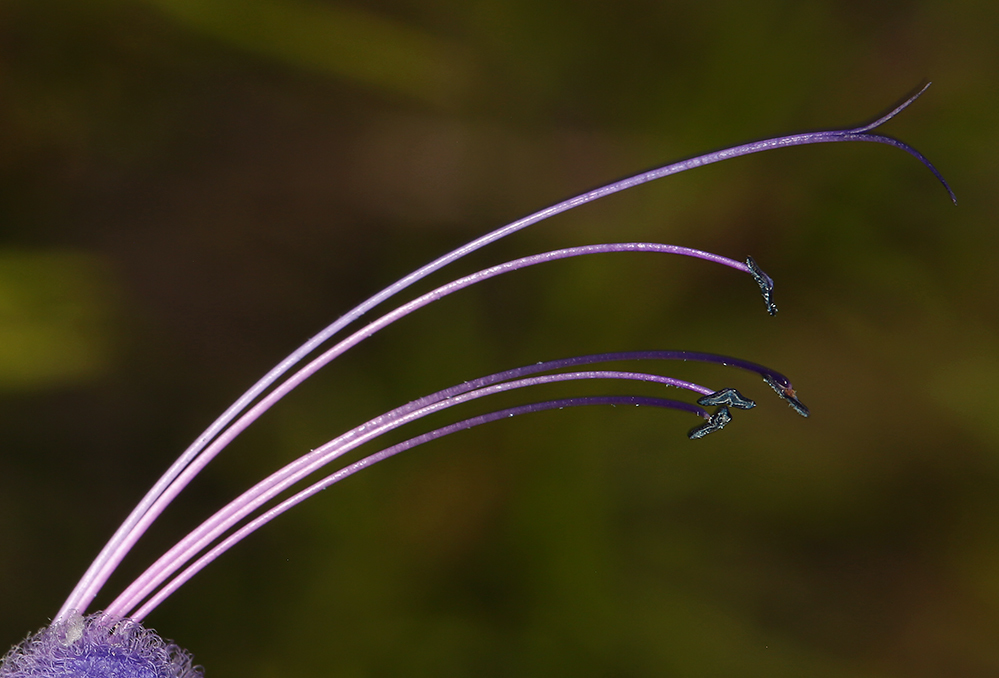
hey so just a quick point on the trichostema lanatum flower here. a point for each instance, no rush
(114, 643)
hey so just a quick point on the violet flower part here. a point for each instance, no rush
(769, 375)
(121, 542)
(282, 479)
(269, 515)
(79, 647)
(728, 396)
(195, 466)
(279, 481)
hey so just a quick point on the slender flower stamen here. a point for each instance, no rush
(274, 385)
(283, 479)
(194, 466)
(268, 489)
(252, 526)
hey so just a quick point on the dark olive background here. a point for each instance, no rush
(189, 188)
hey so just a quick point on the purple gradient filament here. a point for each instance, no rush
(301, 468)
(271, 388)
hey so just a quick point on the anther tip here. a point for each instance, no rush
(715, 422)
(787, 394)
(797, 405)
(726, 397)
(765, 282)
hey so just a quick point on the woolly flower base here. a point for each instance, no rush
(85, 648)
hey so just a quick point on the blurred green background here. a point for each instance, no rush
(189, 188)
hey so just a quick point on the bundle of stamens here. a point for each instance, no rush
(109, 644)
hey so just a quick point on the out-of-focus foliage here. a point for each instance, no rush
(332, 39)
(231, 176)
(53, 313)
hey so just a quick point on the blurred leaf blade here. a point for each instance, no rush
(330, 39)
(53, 315)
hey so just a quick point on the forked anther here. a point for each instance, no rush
(766, 284)
(727, 397)
(715, 422)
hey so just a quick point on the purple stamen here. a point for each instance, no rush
(269, 515)
(267, 489)
(203, 449)
(210, 451)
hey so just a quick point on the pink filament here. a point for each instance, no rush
(202, 536)
(171, 482)
(272, 513)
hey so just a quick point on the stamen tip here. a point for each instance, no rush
(727, 397)
(797, 406)
(715, 422)
(765, 282)
(787, 394)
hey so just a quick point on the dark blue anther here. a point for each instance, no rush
(716, 422)
(727, 397)
(786, 393)
(766, 284)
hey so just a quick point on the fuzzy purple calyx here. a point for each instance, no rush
(91, 648)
